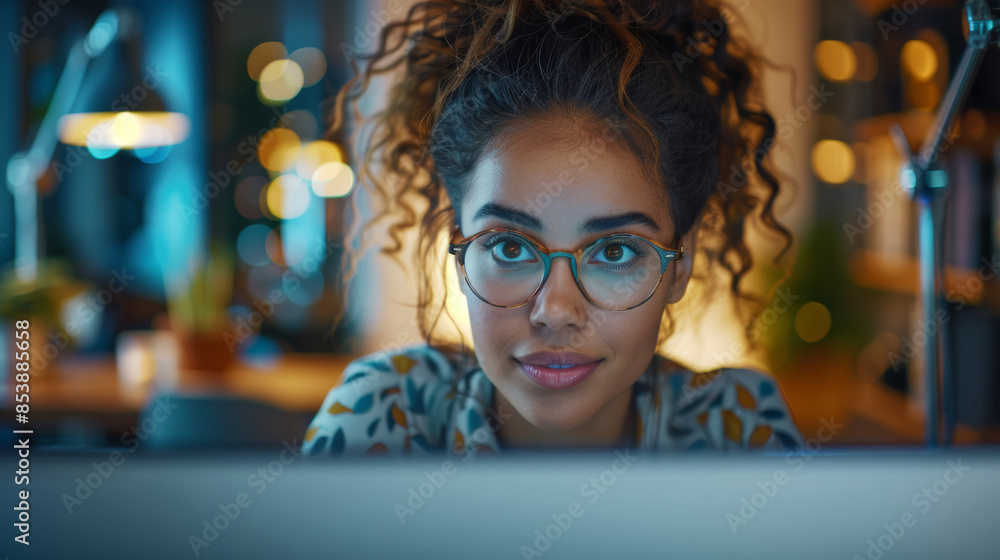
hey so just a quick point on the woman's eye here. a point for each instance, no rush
(615, 253)
(511, 251)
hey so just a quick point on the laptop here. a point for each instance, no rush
(848, 504)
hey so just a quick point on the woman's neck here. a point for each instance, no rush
(612, 426)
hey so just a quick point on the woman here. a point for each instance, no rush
(571, 150)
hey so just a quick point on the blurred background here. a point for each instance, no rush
(188, 219)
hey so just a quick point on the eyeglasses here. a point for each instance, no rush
(506, 268)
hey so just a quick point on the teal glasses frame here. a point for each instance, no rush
(459, 247)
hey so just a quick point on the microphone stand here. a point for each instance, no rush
(926, 181)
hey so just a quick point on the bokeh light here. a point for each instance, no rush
(313, 64)
(262, 55)
(272, 245)
(333, 179)
(812, 321)
(280, 81)
(247, 197)
(974, 124)
(250, 244)
(308, 290)
(835, 60)
(278, 149)
(919, 59)
(867, 61)
(288, 196)
(154, 154)
(833, 161)
(923, 95)
(316, 154)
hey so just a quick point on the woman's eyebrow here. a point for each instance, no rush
(593, 225)
(509, 214)
(605, 223)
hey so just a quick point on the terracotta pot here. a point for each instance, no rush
(203, 352)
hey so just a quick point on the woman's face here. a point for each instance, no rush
(550, 185)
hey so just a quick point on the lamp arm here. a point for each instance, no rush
(24, 168)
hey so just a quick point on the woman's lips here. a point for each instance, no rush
(559, 377)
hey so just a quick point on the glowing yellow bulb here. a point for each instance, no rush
(333, 179)
(281, 80)
(833, 161)
(315, 154)
(288, 197)
(919, 59)
(278, 149)
(262, 55)
(813, 321)
(835, 60)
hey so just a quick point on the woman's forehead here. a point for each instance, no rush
(559, 183)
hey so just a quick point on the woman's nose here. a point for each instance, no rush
(559, 302)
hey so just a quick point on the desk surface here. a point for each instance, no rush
(297, 382)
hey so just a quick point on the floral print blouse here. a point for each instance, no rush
(409, 402)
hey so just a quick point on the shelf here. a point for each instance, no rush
(899, 274)
(916, 123)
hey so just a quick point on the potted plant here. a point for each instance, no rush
(43, 302)
(197, 311)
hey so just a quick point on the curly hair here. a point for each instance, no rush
(669, 76)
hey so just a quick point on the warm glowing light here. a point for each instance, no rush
(974, 123)
(281, 80)
(262, 55)
(333, 179)
(278, 149)
(315, 154)
(924, 95)
(833, 161)
(867, 61)
(919, 59)
(812, 321)
(312, 62)
(124, 130)
(835, 60)
(288, 197)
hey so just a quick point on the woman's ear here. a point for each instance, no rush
(684, 266)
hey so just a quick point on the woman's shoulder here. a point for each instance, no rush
(729, 406)
(386, 400)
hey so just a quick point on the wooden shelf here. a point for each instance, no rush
(900, 274)
(916, 123)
